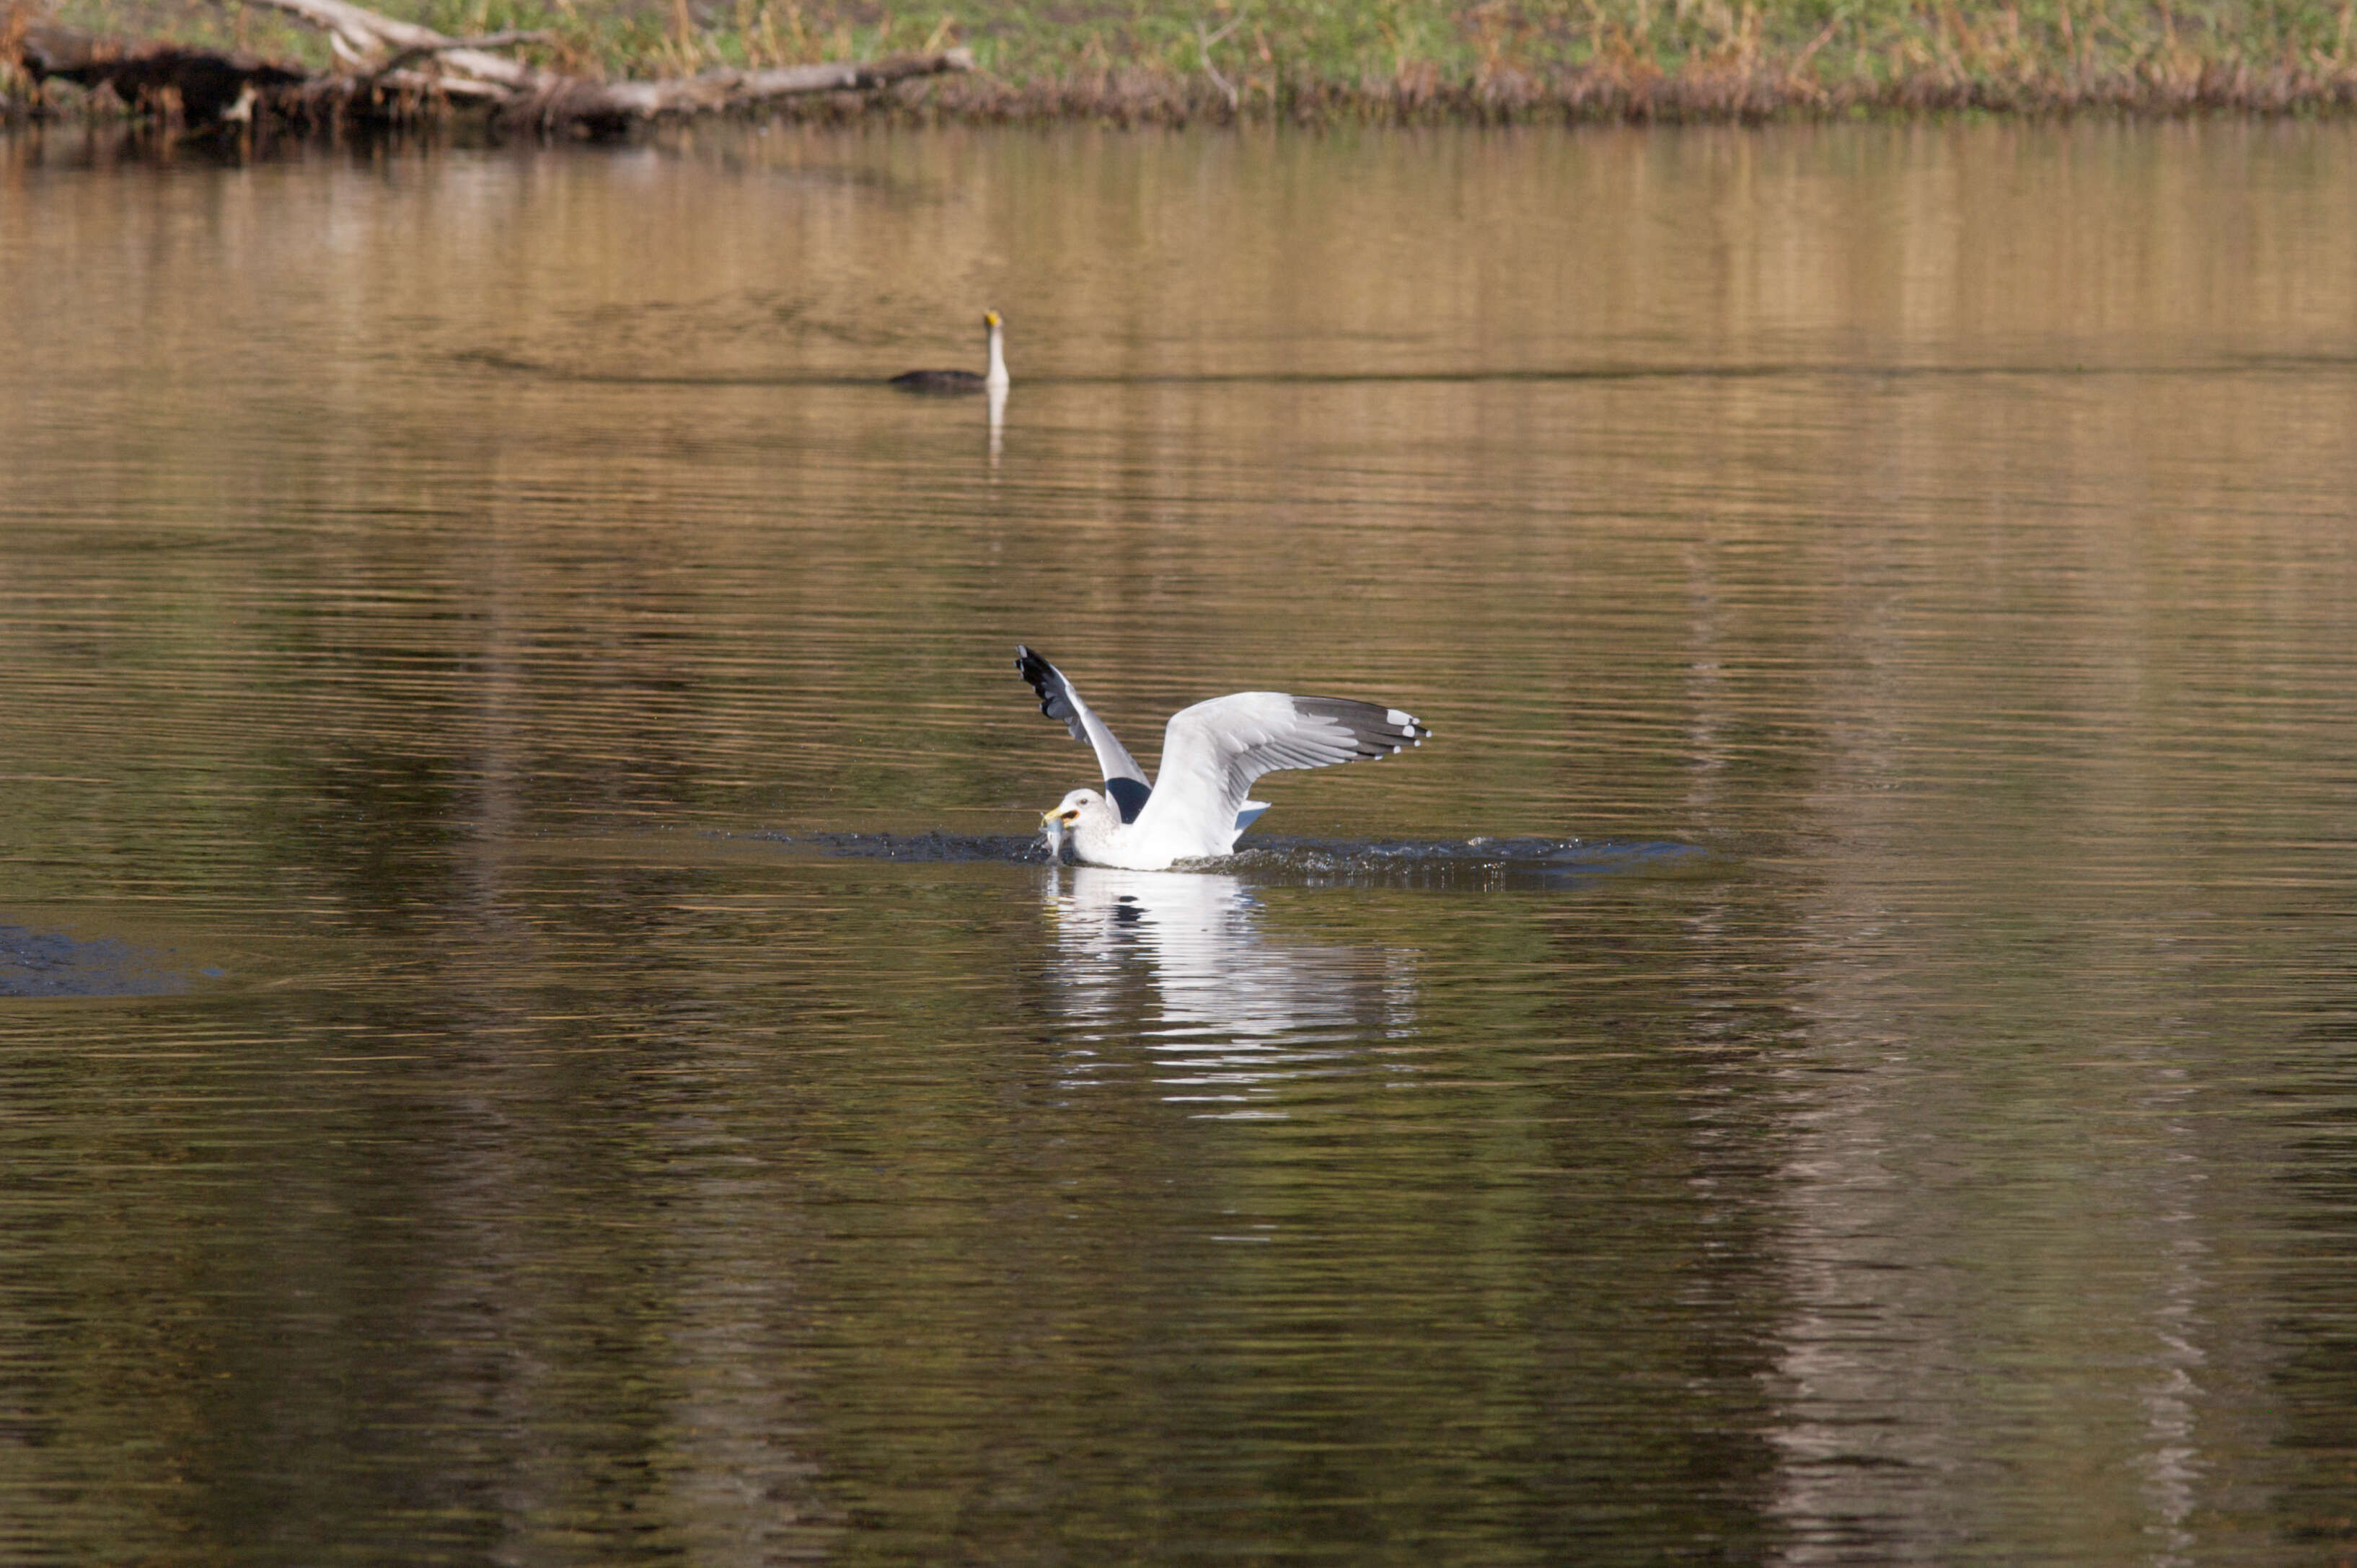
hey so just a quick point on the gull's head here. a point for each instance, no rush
(990, 319)
(1070, 810)
(1056, 824)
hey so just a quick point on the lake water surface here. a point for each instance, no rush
(534, 1032)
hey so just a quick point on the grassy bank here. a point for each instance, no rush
(1184, 59)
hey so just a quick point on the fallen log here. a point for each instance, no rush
(611, 106)
(382, 53)
(411, 54)
(388, 70)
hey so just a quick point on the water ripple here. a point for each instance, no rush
(1475, 862)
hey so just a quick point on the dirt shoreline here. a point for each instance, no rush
(1584, 97)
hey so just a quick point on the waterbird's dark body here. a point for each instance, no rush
(939, 383)
(959, 383)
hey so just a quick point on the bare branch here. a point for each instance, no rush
(365, 35)
(1207, 40)
(410, 54)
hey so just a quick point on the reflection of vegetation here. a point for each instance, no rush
(1603, 57)
(643, 1214)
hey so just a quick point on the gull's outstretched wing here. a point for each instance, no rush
(1125, 782)
(1213, 751)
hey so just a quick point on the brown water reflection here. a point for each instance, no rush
(470, 615)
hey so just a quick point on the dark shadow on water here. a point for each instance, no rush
(1475, 863)
(52, 965)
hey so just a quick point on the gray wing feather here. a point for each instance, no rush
(1125, 782)
(1212, 752)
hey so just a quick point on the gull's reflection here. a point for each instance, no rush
(1178, 961)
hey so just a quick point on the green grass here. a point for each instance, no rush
(1318, 56)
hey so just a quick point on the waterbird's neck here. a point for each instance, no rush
(997, 376)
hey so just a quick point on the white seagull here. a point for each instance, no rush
(1212, 753)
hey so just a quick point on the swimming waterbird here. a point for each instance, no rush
(954, 383)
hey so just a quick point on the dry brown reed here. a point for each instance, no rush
(1627, 90)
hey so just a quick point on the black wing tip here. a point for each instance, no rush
(1375, 731)
(1047, 682)
(1035, 669)
(1042, 676)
